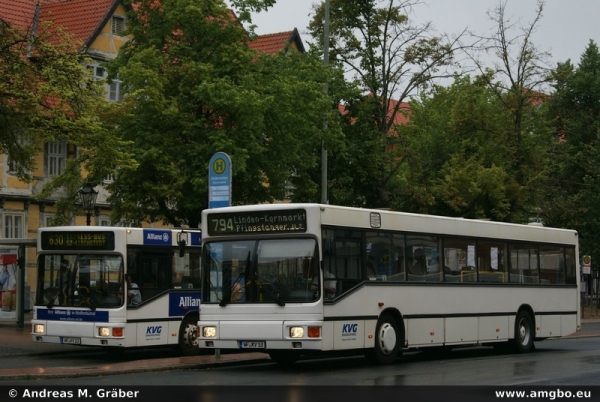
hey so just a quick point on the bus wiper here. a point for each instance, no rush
(225, 300)
(270, 293)
(90, 304)
(51, 302)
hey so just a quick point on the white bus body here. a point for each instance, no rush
(80, 297)
(480, 282)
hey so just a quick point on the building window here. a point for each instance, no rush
(49, 221)
(97, 71)
(13, 226)
(14, 166)
(118, 25)
(56, 156)
(109, 178)
(104, 221)
(114, 93)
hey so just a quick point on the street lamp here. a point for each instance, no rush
(87, 196)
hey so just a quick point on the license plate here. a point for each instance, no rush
(72, 341)
(252, 345)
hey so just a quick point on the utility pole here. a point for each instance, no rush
(324, 199)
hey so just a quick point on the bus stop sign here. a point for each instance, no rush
(219, 181)
(587, 265)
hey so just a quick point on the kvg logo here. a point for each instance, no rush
(154, 330)
(348, 329)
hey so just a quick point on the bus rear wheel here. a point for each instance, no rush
(524, 332)
(388, 341)
(188, 336)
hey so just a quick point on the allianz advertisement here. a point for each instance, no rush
(181, 303)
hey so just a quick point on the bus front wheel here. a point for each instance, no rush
(388, 341)
(188, 336)
(524, 332)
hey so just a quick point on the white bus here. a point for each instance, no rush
(83, 297)
(298, 279)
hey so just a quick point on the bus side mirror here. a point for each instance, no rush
(182, 239)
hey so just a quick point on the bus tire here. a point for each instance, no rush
(388, 341)
(284, 358)
(524, 332)
(188, 336)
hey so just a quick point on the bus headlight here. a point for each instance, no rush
(209, 332)
(39, 329)
(296, 332)
(115, 332)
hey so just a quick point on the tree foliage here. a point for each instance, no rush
(574, 114)
(388, 58)
(194, 87)
(462, 156)
(480, 148)
(46, 95)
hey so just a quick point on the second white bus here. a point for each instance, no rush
(299, 279)
(83, 296)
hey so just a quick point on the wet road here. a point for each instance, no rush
(566, 362)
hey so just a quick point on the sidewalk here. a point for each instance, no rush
(15, 341)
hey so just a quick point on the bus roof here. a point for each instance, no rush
(332, 215)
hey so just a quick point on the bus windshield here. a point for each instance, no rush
(261, 271)
(80, 280)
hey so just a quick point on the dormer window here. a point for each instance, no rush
(118, 25)
(97, 71)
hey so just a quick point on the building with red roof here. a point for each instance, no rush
(96, 26)
(277, 42)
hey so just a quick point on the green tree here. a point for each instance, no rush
(462, 155)
(389, 58)
(573, 200)
(46, 95)
(194, 88)
(479, 148)
(518, 77)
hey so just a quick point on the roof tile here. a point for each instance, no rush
(18, 13)
(80, 17)
(271, 43)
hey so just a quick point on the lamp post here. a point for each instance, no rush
(87, 196)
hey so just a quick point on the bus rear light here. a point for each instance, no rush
(38, 328)
(117, 331)
(314, 332)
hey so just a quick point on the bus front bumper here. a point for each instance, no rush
(257, 335)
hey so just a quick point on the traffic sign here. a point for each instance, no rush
(587, 265)
(219, 181)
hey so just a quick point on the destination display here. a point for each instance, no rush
(288, 221)
(78, 240)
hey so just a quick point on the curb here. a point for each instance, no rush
(134, 367)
